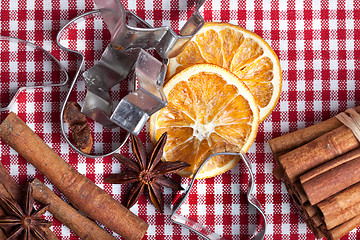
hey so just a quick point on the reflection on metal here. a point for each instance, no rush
(130, 37)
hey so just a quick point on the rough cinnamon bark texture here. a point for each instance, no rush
(82, 226)
(332, 181)
(300, 137)
(309, 209)
(318, 151)
(330, 165)
(341, 207)
(316, 230)
(50, 235)
(326, 159)
(343, 229)
(80, 129)
(9, 184)
(83, 193)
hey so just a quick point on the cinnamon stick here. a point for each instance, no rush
(334, 180)
(341, 207)
(330, 165)
(278, 173)
(315, 230)
(300, 137)
(300, 192)
(84, 194)
(343, 229)
(9, 184)
(82, 226)
(309, 209)
(318, 151)
(49, 234)
(4, 193)
(316, 220)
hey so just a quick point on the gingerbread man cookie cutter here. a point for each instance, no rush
(130, 37)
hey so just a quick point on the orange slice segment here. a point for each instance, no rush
(208, 107)
(240, 51)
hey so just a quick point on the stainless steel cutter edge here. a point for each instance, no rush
(62, 69)
(202, 230)
(73, 83)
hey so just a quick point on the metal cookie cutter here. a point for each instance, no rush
(202, 230)
(130, 35)
(25, 74)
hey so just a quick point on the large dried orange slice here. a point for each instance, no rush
(208, 107)
(243, 53)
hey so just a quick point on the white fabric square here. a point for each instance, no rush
(316, 44)
(300, 24)
(333, 24)
(13, 25)
(300, 65)
(267, 24)
(316, 24)
(219, 209)
(283, 25)
(334, 64)
(250, 5)
(333, 44)
(299, 5)
(269, 188)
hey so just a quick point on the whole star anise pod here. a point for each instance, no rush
(147, 173)
(26, 222)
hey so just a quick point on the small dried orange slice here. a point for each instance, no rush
(240, 51)
(208, 107)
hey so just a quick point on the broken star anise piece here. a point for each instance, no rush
(27, 221)
(147, 173)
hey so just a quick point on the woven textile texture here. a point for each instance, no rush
(318, 44)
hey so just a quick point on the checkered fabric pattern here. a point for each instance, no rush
(318, 44)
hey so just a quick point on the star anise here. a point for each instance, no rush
(26, 222)
(147, 173)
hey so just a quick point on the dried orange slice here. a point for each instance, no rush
(208, 107)
(243, 53)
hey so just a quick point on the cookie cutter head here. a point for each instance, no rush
(164, 40)
(201, 229)
(26, 66)
(130, 35)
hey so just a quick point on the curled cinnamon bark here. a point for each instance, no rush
(332, 177)
(300, 137)
(80, 129)
(341, 207)
(79, 190)
(343, 229)
(324, 148)
(82, 226)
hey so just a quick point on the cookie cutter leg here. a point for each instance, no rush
(202, 230)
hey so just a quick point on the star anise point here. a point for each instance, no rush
(147, 172)
(26, 221)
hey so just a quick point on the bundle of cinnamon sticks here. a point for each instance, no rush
(320, 166)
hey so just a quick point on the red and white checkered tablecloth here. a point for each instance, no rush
(318, 44)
